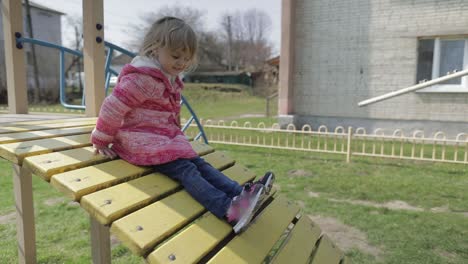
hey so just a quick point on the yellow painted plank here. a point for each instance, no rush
(254, 244)
(13, 129)
(143, 229)
(326, 252)
(219, 160)
(41, 134)
(51, 121)
(194, 242)
(16, 152)
(79, 182)
(138, 193)
(109, 204)
(84, 181)
(56, 162)
(201, 148)
(300, 242)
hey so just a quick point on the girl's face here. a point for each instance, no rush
(173, 62)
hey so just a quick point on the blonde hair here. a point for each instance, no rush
(170, 32)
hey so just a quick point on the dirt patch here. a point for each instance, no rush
(54, 201)
(8, 218)
(312, 194)
(301, 203)
(393, 205)
(346, 237)
(448, 256)
(299, 173)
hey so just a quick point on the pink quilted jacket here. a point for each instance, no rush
(141, 118)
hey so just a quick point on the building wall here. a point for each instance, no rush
(349, 51)
(47, 27)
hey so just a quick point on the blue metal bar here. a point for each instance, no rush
(63, 100)
(47, 44)
(189, 122)
(107, 66)
(114, 72)
(119, 49)
(200, 127)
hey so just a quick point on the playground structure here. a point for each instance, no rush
(156, 218)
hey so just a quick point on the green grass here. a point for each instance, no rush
(227, 105)
(403, 236)
(230, 105)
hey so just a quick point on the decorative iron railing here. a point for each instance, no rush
(344, 141)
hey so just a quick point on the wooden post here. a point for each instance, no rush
(93, 55)
(288, 25)
(100, 242)
(348, 147)
(25, 229)
(14, 58)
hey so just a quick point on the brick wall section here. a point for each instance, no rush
(348, 51)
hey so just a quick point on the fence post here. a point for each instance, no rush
(348, 150)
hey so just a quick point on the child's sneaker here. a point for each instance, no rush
(243, 207)
(267, 181)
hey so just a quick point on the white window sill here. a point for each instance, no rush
(444, 89)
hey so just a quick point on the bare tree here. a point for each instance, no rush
(192, 16)
(211, 47)
(246, 37)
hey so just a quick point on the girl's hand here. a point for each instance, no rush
(106, 151)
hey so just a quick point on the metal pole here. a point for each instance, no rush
(413, 88)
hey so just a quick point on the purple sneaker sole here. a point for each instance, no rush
(247, 217)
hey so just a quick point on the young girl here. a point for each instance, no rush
(141, 119)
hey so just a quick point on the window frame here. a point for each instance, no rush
(447, 88)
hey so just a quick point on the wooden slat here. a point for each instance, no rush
(49, 121)
(109, 204)
(56, 162)
(16, 152)
(201, 148)
(300, 242)
(42, 134)
(219, 160)
(77, 183)
(254, 244)
(13, 129)
(143, 229)
(326, 252)
(194, 242)
(140, 231)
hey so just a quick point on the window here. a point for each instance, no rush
(440, 56)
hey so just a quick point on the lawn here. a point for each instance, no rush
(228, 105)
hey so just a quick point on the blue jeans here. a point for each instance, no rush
(207, 185)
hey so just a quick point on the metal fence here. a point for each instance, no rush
(348, 142)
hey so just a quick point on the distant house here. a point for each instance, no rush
(119, 61)
(231, 77)
(46, 26)
(342, 52)
(265, 81)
